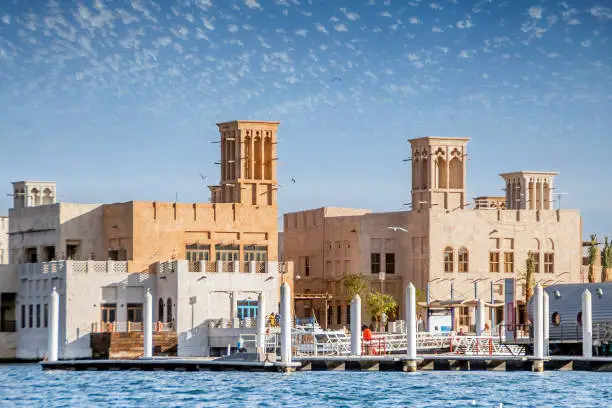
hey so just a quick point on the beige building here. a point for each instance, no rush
(454, 251)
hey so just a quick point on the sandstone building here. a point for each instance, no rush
(453, 250)
(204, 263)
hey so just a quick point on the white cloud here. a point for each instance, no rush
(301, 32)
(415, 20)
(385, 14)
(437, 29)
(535, 12)
(352, 16)
(253, 4)
(232, 28)
(600, 11)
(573, 21)
(340, 27)
(6, 19)
(464, 24)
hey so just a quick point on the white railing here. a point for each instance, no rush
(122, 327)
(484, 345)
(250, 342)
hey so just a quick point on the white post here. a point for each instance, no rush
(480, 318)
(411, 321)
(148, 325)
(587, 325)
(233, 308)
(546, 324)
(285, 323)
(538, 323)
(53, 341)
(356, 326)
(261, 324)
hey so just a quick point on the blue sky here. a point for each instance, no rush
(118, 100)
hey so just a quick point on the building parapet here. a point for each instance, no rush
(60, 267)
(251, 267)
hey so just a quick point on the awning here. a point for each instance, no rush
(312, 296)
(449, 304)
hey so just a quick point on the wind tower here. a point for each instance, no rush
(438, 172)
(248, 163)
(529, 190)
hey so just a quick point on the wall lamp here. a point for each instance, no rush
(557, 294)
(600, 292)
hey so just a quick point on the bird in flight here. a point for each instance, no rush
(398, 229)
(203, 177)
(336, 79)
(293, 180)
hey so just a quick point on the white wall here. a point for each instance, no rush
(80, 287)
(212, 301)
(4, 240)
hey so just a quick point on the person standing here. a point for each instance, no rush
(367, 337)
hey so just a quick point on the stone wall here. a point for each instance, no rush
(4, 240)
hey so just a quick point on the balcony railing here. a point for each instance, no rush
(123, 327)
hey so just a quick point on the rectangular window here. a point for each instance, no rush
(535, 256)
(31, 316)
(23, 316)
(348, 314)
(330, 311)
(508, 262)
(375, 263)
(258, 253)
(37, 315)
(389, 263)
(134, 312)
(549, 262)
(493, 261)
(46, 317)
(306, 266)
(339, 314)
(463, 260)
(197, 252)
(464, 316)
(448, 260)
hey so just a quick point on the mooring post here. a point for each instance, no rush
(53, 341)
(285, 323)
(261, 327)
(587, 325)
(538, 329)
(148, 325)
(546, 319)
(480, 317)
(411, 329)
(356, 326)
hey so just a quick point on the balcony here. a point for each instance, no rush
(127, 327)
(236, 266)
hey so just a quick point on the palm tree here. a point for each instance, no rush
(606, 259)
(592, 257)
(528, 276)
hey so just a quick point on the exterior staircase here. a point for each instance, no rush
(130, 345)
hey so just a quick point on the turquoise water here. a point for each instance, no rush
(28, 385)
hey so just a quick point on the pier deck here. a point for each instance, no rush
(434, 362)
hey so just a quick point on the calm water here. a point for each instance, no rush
(28, 385)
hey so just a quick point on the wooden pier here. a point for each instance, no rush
(434, 362)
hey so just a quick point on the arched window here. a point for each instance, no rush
(160, 310)
(425, 173)
(456, 173)
(441, 172)
(169, 311)
(463, 260)
(448, 259)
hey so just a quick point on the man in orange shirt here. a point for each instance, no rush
(367, 337)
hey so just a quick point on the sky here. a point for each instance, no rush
(117, 100)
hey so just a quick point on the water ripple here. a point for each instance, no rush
(27, 385)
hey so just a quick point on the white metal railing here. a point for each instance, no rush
(484, 345)
(250, 342)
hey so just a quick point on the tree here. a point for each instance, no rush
(378, 303)
(527, 276)
(592, 257)
(606, 259)
(353, 285)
